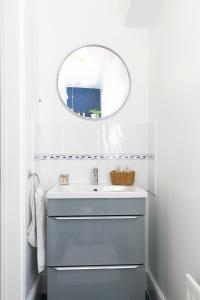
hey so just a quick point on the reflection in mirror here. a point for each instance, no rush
(93, 82)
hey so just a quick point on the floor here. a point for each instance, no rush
(45, 297)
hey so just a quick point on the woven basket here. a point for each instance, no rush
(122, 177)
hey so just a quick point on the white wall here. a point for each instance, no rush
(14, 102)
(64, 26)
(174, 222)
(31, 91)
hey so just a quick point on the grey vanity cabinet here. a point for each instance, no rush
(97, 256)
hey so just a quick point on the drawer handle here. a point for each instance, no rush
(96, 218)
(95, 268)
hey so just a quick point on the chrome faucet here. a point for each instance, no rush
(95, 176)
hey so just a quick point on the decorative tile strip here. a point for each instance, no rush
(116, 156)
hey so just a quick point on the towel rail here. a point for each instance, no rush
(31, 174)
(193, 288)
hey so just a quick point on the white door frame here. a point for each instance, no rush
(12, 151)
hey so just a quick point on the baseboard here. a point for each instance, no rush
(34, 291)
(153, 289)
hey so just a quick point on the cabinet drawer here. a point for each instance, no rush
(107, 240)
(99, 283)
(83, 207)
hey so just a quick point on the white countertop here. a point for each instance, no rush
(95, 191)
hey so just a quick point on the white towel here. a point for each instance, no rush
(37, 228)
(31, 233)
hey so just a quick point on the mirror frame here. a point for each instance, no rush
(129, 77)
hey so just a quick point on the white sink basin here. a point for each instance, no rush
(95, 191)
(116, 188)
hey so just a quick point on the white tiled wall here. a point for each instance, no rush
(80, 171)
(152, 134)
(90, 138)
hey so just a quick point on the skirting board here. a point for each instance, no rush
(34, 291)
(153, 288)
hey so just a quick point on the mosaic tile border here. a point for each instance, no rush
(124, 156)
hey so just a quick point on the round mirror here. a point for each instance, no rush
(93, 82)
